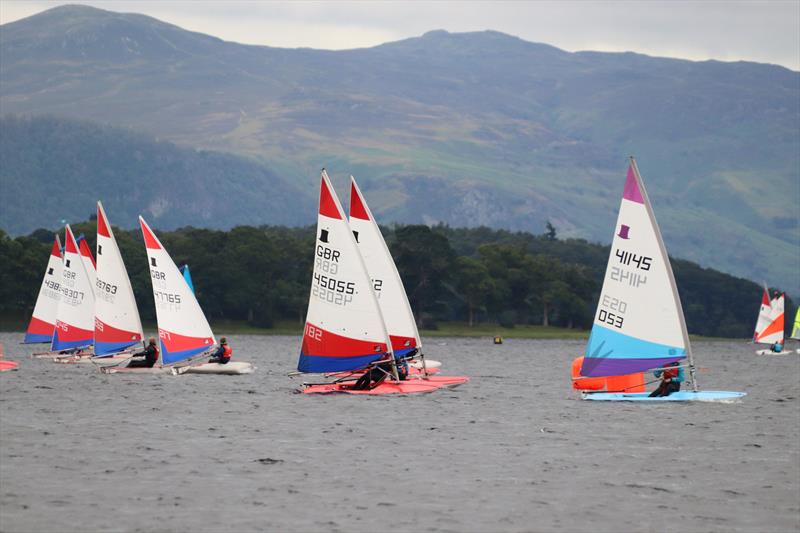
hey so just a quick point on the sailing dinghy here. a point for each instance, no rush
(183, 329)
(75, 316)
(117, 326)
(770, 323)
(386, 283)
(639, 323)
(345, 329)
(43, 320)
(796, 328)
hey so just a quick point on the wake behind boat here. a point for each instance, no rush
(639, 324)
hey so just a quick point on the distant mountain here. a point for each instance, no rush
(54, 170)
(473, 128)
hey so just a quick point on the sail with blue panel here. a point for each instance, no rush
(187, 276)
(344, 329)
(639, 323)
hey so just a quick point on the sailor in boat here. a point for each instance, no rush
(223, 354)
(671, 378)
(777, 346)
(146, 358)
(375, 375)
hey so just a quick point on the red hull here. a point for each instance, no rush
(412, 386)
(8, 365)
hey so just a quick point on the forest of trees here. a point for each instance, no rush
(262, 275)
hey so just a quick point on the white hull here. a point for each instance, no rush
(88, 359)
(429, 363)
(782, 352)
(232, 368)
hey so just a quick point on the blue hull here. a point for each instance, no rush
(680, 396)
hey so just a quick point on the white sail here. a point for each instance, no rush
(774, 331)
(764, 315)
(639, 322)
(344, 327)
(43, 319)
(88, 263)
(383, 272)
(182, 325)
(117, 323)
(75, 317)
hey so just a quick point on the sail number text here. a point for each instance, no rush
(605, 314)
(627, 258)
(332, 290)
(634, 279)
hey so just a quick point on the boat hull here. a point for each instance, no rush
(680, 396)
(5, 366)
(88, 359)
(782, 352)
(429, 364)
(232, 368)
(411, 386)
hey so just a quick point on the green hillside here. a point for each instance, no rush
(469, 129)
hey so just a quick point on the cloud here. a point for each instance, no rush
(764, 31)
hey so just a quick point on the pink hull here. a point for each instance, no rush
(412, 386)
(8, 365)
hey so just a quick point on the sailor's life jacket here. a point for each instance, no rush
(675, 373)
(226, 354)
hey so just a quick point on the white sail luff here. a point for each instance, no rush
(670, 274)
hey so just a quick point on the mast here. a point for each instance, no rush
(668, 265)
(395, 374)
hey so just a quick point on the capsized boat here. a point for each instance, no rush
(639, 323)
(183, 329)
(770, 324)
(386, 282)
(345, 329)
(43, 320)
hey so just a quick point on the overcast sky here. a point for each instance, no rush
(766, 31)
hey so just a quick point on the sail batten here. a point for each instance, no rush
(639, 323)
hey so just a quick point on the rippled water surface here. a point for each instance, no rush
(512, 450)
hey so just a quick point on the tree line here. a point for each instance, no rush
(262, 275)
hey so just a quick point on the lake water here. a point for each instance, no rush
(512, 450)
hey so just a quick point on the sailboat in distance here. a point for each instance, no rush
(345, 329)
(183, 330)
(117, 324)
(43, 319)
(770, 327)
(639, 323)
(75, 317)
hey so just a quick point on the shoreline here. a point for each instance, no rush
(443, 329)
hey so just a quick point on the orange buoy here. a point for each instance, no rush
(582, 383)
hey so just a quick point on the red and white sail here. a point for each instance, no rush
(770, 325)
(344, 328)
(182, 325)
(75, 316)
(386, 281)
(88, 261)
(117, 325)
(43, 320)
